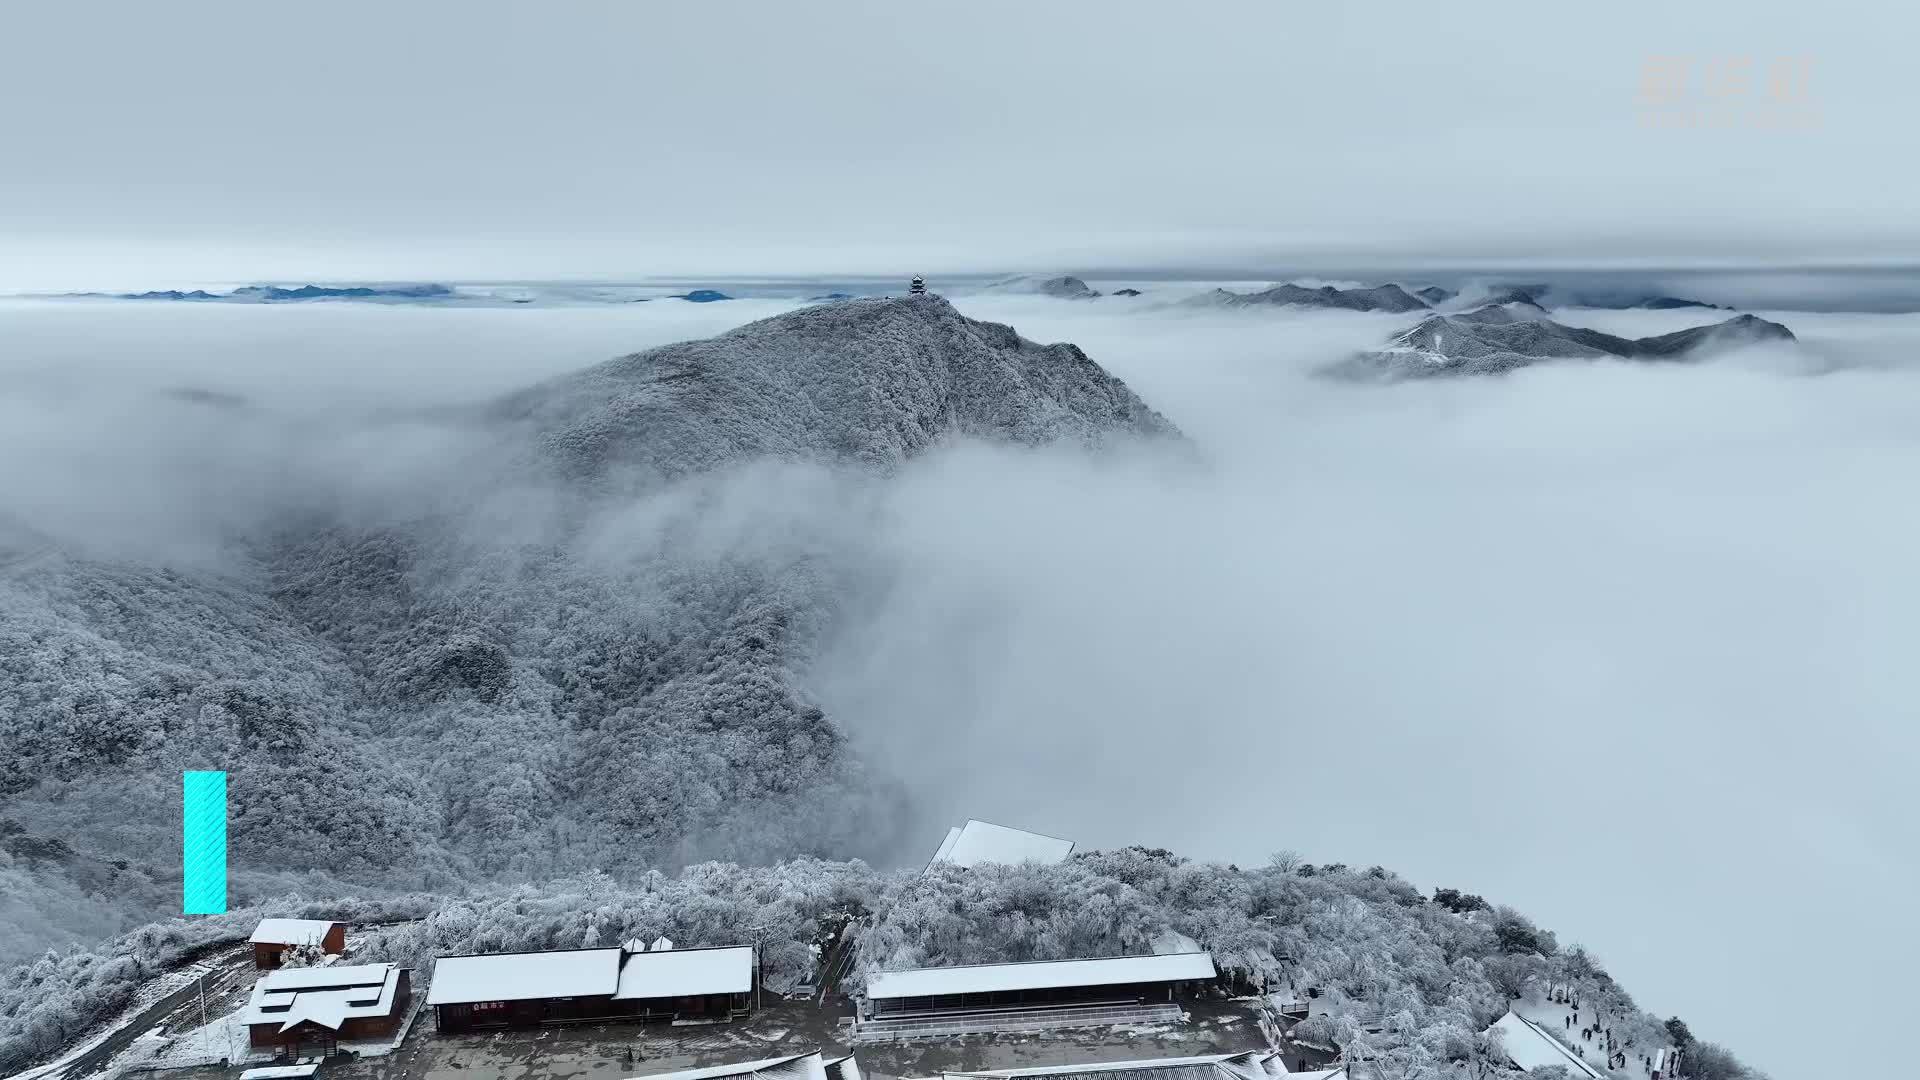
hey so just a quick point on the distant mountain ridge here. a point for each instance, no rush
(267, 294)
(1496, 339)
(1615, 299)
(1062, 287)
(1375, 298)
(428, 292)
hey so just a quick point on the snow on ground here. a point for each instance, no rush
(1553, 1016)
(151, 991)
(222, 1039)
(225, 1040)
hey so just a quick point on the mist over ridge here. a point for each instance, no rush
(1005, 613)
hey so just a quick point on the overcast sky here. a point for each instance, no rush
(154, 144)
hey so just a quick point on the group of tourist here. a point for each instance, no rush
(1601, 1038)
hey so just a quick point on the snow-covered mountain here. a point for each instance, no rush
(1501, 337)
(532, 662)
(867, 380)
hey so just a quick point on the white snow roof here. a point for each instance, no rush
(459, 980)
(1529, 1047)
(679, 972)
(983, 842)
(946, 846)
(290, 931)
(794, 1067)
(323, 975)
(328, 996)
(986, 978)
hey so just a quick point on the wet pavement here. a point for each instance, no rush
(600, 1051)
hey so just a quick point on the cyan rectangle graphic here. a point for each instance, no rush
(203, 848)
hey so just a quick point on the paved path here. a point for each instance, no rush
(223, 964)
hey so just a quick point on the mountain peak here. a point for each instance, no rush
(1063, 286)
(869, 380)
(1499, 338)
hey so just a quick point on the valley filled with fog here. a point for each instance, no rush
(1627, 647)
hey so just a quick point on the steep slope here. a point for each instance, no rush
(1495, 339)
(573, 649)
(1739, 331)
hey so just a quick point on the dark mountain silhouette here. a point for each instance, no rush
(1377, 298)
(1496, 339)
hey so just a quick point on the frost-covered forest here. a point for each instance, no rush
(1439, 968)
(572, 635)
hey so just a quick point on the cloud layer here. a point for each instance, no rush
(1622, 646)
(1626, 647)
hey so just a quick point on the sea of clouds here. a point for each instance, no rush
(1628, 647)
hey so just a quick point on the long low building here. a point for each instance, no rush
(503, 990)
(688, 984)
(316, 1008)
(1117, 980)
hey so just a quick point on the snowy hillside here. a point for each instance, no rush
(510, 663)
(871, 381)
